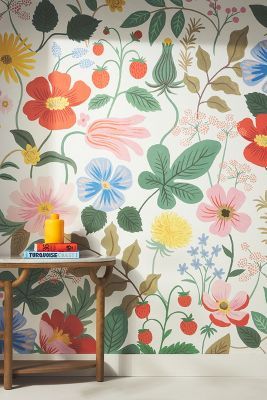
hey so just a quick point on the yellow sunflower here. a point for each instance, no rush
(115, 5)
(171, 230)
(14, 56)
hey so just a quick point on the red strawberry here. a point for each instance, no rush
(142, 310)
(145, 336)
(100, 77)
(106, 31)
(98, 49)
(136, 36)
(138, 68)
(184, 300)
(188, 325)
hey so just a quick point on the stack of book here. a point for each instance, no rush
(53, 250)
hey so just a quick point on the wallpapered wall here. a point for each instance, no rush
(144, 124)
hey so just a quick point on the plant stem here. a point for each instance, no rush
(204, 339)
(59, 60)
(72, 66)
(255, 287)
(8, 154)
(147, 200)
(20, 99)
(39, 148)
(176, 118)
(191, 276)
(223, 157)
(199, 139)
(153, 319)
(232, 257)
(43, 43)
(98, 8)
(66, 287)
(120, 65)
(63, 151)
(153, 262)
(130, 281)
(6, 240)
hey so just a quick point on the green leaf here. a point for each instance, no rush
(116, 330)
(236, 272)
(130, 257)
(8, 164)
(218, 103)
(147, 180)
(203, 59)
(156, 25)
(265, 293)
(45, 17)
(6, 276)
(249, 336)
(260, 13)
(260, 321)
(81, 27)
(237, 44)
(225, 84)
(74, 9)
(189, 281)
(196, 160)
(91, 4)
(19, 242)
(93, 220)
(167, 333)
(129, 349)
(129, 219)
(53, 156)
(178, 2)
(8, 227)
(110, 241)
(22, 138)
(177, 23)
(158, 157)
(7, 177)
(227, 252)
(156, 3)
(32, 293)
(179, 348)
(192, 83)
(141, 99)
(81, 304)
(150, 285)
(166, 199)
(186, 192)
(221, 346)
(257, 103)
(146, 349)
(115, 283)
(135, 19)
(100, 100)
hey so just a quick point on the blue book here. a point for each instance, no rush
(50, 254)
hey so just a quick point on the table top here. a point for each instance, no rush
(19, 262)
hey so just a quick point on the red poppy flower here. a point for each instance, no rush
(64, 335)
(256, 152)
(52, 105)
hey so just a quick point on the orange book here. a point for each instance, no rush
(55, 247)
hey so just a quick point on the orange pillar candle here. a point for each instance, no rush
(54, 229)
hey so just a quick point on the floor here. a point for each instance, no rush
(137, 388)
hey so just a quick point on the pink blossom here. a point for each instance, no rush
(116, 134)
(223, 211)
(83, 120)
(36, 201)
(5, 104)
(225, 312)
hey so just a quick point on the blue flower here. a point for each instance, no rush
(218, 273)
(22, 339)
(216, 250)
(202, 240)
(204, 253)
(196, 263)
(182, 268)
(193, 251)
(56, 50)
(103, 186)
(254, 72)
(209, 262)
(79, 52)
(86, 63)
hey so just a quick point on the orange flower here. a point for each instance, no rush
(52, 106)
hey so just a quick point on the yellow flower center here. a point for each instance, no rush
(45, 208)
(31, 155)
(224, 306)
(225, 212)
(57, 103)
(5, 103)
(6, 59)
(105, 185)
(261, 140)
(168, 41)
(59, 335)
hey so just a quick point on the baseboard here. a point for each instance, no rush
(250, 365)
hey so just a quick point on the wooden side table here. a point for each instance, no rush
(91, 265)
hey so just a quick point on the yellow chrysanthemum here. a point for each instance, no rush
(31, 155)
(14, 56)
(171, 230)
(115, 5)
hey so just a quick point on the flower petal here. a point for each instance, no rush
(78, 94)
(253, 72)
(216, 195)
(18, 320)
(221, 227)
(209, 303)
(23, 340)
(235, 198)
(84, 345)
(58, 119)
(247, 129)
(99, 169)
(73, 326)
(260, 51)
(221, 290)
(240, 301)
(33, 109)
(219, 319)
(87, 189)
(241, 222)
(39, 88)
(109, 200)
(206, 212)
(261, 124)
(238, 318)
(122, 178)
(60, 83)
(256, 154)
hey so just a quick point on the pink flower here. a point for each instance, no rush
(36, 201)
(223, 311)
(115, 135)
(83, 119)
(224, 211)
(5, 104)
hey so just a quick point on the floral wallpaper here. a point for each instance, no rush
(144, 124)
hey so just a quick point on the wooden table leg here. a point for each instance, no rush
(100, 314)
(8, 320)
